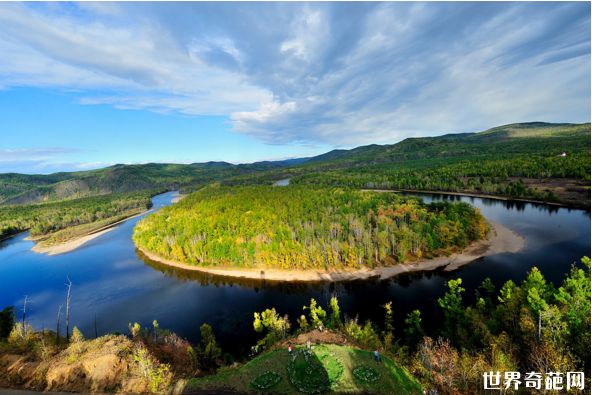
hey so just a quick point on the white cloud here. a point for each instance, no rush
(334, 73)
(43, 160)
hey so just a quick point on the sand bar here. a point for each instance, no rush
(500, 239)
(73, 244)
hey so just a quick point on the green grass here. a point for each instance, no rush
(266, 380)
(330, 367)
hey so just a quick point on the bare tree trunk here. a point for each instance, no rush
(69, 285)
(25, 314)
(539, 326)
(58, 325)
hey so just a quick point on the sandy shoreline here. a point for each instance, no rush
(178, 198)
(499, 240)
(73, 244)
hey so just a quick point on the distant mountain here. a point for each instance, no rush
(23, 188)
(519, 138)
(515, 139)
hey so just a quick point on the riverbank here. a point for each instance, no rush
(70, 245)
(499, 240)
(576, 205)
(61, 247)
(178, 198)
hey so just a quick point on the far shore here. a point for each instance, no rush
(499, 240)
(73, 244)
(178, 198)
(472, 194)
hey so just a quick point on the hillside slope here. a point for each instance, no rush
(327, 368)
(486, 162)
(534, 161)
(26, 189)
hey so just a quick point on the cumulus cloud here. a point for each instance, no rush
(334, 73)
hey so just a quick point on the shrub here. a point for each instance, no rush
(135, 329)
(21, 336)
(366, 374)
(266, 380)
(157, 374)
(209, 349)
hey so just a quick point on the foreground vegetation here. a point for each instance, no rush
(530, 327)
(324, 368)
(305, 228)
(67, 219)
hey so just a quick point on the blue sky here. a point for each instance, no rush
(92, 84)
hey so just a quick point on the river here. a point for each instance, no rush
(114, 284)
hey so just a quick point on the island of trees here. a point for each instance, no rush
(302, 227)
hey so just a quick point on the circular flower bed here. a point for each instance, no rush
(366, 374)
(266, 380)
(307, 373)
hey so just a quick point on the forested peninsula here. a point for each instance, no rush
(55, 223)
(534, 161)
(306, 228)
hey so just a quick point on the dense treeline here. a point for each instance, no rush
(46, 218)
(479, 174)
(26, 189)
(514, 161)
(488, 162)
(304, 227)
(531, 327)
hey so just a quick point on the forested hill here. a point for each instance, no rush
(517, 160)
(521, 138)
(24, 189)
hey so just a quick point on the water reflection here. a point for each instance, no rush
(114, 281)
(517, 205)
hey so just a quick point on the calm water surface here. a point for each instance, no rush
(112, 282)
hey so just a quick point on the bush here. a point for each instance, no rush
(158, 374)
(266, 380)
(366, 374)
(22, 336)
(210, 352)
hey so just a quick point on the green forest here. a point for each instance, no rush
(303, 227)
(66, 216)
(515, 161)
(493, 161)
(528, 327)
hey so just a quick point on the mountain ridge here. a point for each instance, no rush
(543, 139)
